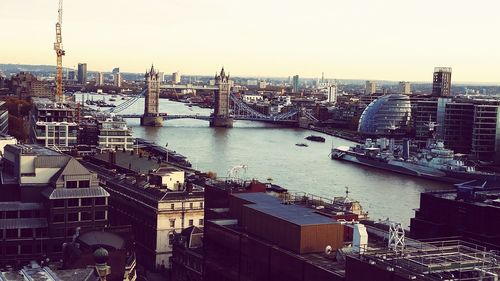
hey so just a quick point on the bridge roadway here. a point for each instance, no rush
(207, 118)
(188, 87)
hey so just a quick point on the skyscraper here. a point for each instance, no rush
(176, 78)
(370, 87)
(99, 78)
(332, 94)
(441, 82)
(295, 84)
(405, 87)
(82, 73)
(117, 79)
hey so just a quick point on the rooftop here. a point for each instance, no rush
(45, 103)
(33, 149)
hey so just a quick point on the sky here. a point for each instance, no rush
(349, 39)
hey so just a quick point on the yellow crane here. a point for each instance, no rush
(58, 47)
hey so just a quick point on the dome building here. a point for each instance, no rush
(386, 116)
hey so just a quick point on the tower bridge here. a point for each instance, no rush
(227, 107)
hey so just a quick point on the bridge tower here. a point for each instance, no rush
(151, 102)
(221, 117)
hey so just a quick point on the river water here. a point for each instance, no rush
(269, 151)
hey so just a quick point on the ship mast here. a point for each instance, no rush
(58, 47)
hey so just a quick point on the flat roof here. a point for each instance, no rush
(33, 149)
(272, 206)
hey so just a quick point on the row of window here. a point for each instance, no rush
(191, 205)
(190, 222)
(24, 233)
(77, 202)
(80, 216)
(25, 214)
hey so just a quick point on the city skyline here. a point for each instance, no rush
(363, 40)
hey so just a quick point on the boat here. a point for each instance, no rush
(434, 162)
(301, 144)
(315, 138)
(112, 99)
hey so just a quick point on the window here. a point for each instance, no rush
(100, 215)
(71, 184)
(26, 233)
(40, 232)
(190, 205)
(11, 215)
(11, 250)
(85, 183)
(11, 233)
(172, 206)
(26, 214)
(172, 223)
(86, 201)
(200, 222)
(86, 216)
(73, 217)
(70, 232)
(201, 205)
(190, 222)
(100, 201)
(58, 203)
(58, 218)
(26, 249)
(73, 203)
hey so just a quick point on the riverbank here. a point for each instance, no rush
(339, 133)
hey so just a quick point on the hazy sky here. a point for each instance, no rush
(361, 39)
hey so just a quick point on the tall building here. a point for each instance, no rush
(99, 79)
(295, 84)
(458, 123)
(47, 197)
(71, 75)
(370, 87)
(4, 118)
(115, 70)
(486, 132)
(441, 82)
(82, 73)
(405, 87)
(117, 79)
(176, 78)
(332, 94)
(424, 119)
(151, 106)
(53, 124)
(221, 117)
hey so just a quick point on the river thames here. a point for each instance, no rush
(270, 152)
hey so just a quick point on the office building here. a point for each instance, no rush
(46, 198)
(388, 115)
(331, 94)
(441, 82)
(99, 79)
(117, 79)
(370, 88)
(53, 124)
(4, 118)
(115, 70)
(405, 88)
(25, 85)
(82, 73)
(71, 75)
(458, 124)
(156, 205)
(113, 133)
(486, 132)
(295, 84)
(187, 254)
(424, 120)
(176, 78)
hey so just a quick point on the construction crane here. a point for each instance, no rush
(58, 47)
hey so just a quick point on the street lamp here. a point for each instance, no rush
(166, 145)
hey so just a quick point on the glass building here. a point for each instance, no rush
(388, 115)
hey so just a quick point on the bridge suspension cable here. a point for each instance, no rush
(126, 104)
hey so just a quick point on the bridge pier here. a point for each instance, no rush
(226, 122)
(152, 121)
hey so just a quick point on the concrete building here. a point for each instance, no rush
(113, 133)
(458, 124)
(6, 140)
(82, 73)
(187, 254)
(117, 79)
(99, 80)
(486, 132)
(176, 78)
(248, 98)
(53, 124)
(331, 94)
(441, 82)
(405, 87)
(424, 117)
(262, 84)
(370, 88)
(295, 84)
(4, 118)
(145, 202)
(46, 198)
(26, 85)
(71, 75)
